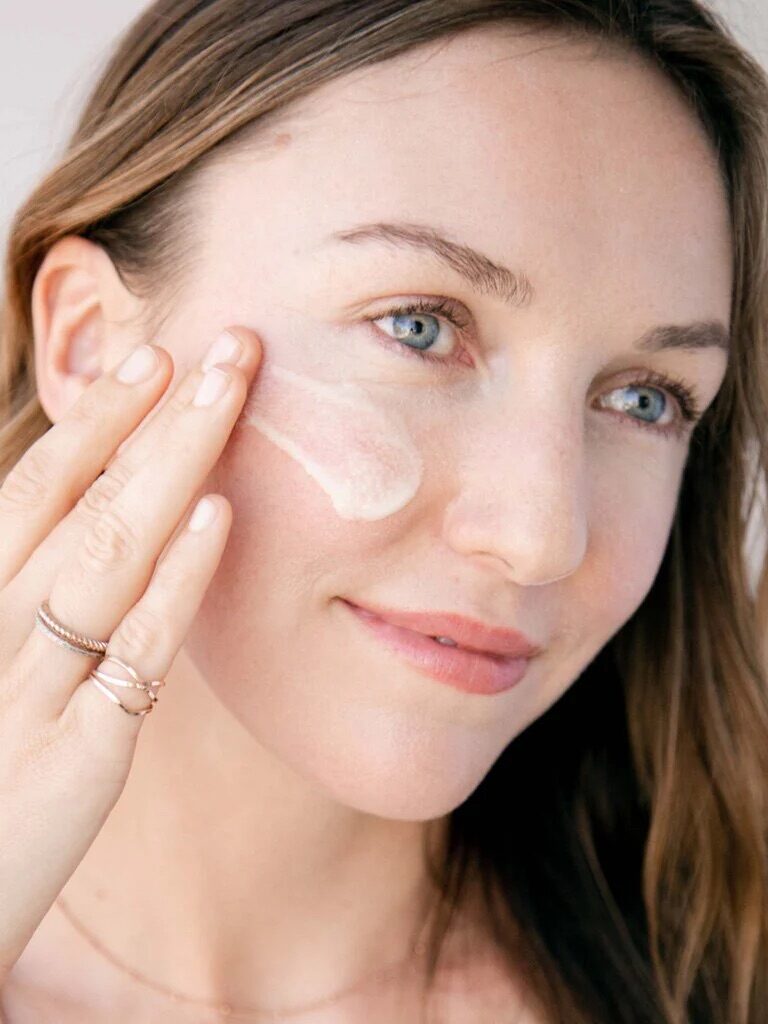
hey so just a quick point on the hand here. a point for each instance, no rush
(121, 564)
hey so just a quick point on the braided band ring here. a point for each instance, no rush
(48, 624)
(46, 621)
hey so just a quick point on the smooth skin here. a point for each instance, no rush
(65, 749)
(267, 845)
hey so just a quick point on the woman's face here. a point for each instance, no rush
(527, 474)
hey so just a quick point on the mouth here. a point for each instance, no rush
(443, 658)
(455, 630)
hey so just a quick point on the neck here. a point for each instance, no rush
(225, 876)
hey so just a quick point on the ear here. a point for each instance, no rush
(83, 318)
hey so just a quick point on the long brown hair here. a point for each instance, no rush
(621, 839)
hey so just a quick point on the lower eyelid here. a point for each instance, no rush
(685, 401)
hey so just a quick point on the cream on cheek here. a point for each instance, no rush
(361, 455)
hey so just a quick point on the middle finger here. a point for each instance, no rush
(141, 446)
(112, 563)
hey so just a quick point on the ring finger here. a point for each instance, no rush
(149, 636)
(116, 557)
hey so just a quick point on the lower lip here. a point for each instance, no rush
(464, 670)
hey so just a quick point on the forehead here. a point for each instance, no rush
(578, 161)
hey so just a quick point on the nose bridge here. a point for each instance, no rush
(522, 497)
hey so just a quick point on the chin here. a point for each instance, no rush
(381, 764)
(365, 736)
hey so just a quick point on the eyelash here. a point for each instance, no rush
(445, 308)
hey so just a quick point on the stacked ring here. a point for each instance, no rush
(55, 630)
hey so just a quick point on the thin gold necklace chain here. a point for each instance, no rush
(409, 962)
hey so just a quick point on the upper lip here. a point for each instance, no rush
(467, 632)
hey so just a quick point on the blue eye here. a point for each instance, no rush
(419, 342)
(423, 339)
(688, 413)
(642, 402)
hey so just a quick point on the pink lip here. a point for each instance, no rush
(465, 631)
(474, 671)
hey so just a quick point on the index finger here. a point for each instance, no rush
(44, 485)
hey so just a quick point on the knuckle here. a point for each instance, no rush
(140, 633)
(103, 491)
(29, 481)
(109, 544)
(178, 402)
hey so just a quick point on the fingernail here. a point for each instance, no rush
(212, 387)
(139, 365)
(226, 349)
(204, 514)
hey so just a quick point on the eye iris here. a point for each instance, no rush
(421, 343)
(644, 402)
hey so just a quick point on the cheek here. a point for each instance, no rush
(315, 471)
(631, 514)
(359, 454)
(288, 554)
(297, 675)
(633, 511)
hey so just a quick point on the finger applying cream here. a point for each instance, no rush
(360, 455)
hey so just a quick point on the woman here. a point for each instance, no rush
(461, 699)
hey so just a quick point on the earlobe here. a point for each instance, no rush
(76, 296)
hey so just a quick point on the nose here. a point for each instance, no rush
(520, 505)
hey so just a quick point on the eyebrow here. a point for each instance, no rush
(515, 287)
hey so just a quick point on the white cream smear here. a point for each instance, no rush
(360, 455)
